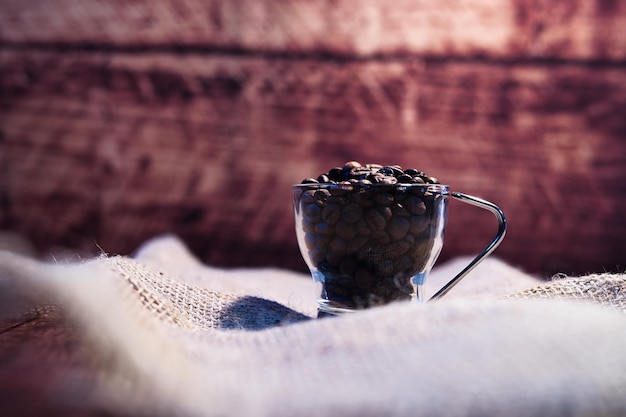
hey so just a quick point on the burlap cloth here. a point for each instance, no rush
(172, 336)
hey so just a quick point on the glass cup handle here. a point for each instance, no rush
(484, 204)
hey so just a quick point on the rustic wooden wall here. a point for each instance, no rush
(122, 120)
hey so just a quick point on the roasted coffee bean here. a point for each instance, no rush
(335, 174)
(399, 210)
(379, 238)
(404, 178)
(355, 244)
(323, 178)
(320, 196)
(418, 224)
(308, 226)
(331, 213)
(415, 205)
(307, 197)
(385, 212)
(398, 227)
(384, 199)
(334, 258)
(312, 211)
(347, 266)
(348, 166)
(375, 220)
(323, 229)
(351, 213)
(338, 245)
(345, 230)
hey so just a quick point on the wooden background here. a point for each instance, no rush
(123, 120)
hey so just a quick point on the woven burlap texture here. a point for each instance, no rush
(169, 340)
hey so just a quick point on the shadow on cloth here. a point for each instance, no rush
(254, 313)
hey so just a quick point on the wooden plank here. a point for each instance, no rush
(114, 149)
(510, 29)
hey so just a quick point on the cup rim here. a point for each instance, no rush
(443, 188)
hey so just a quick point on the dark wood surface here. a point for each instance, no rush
(119, 121)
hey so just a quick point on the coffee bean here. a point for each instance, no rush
(307, 197)
(331, 213)
(375, 220)
(404, 178)
(334, 258)
(398, 227)
(312, 211)
(355, 244)
(384, 199)
(308, 226)
(417, 224)
(351, 213)
(345, 230)
(385, 212)
(415, 205)
(338, 245)
(347, 266)
(323, 229)
(320, 196)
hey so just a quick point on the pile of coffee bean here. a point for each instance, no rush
(367, 229)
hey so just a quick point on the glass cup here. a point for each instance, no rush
(369, 245)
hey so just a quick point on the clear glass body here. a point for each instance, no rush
(372, 244)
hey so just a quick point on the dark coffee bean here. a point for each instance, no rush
(345, 230)
(376, 178)
(385, 212)
(334, 258)
(417, 180)
(320, 196)
(389, 180)
(363, 228)
(375, 220)
(308, 226)
(335, 174)
(312, 211)
(355, 244)
(338, 245)
(307, 196)
(363, 199)
(417, 224)
(404, 178)
(351, 213)
(351, 165)
(399, 210)
(384, 199)
(379, 238)
(397, 227)
(347, 266)
(331, 213)
(309, 181)
(323, 178)
(413, 172)
(415, 205)
(322, 241)
(323, 229)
